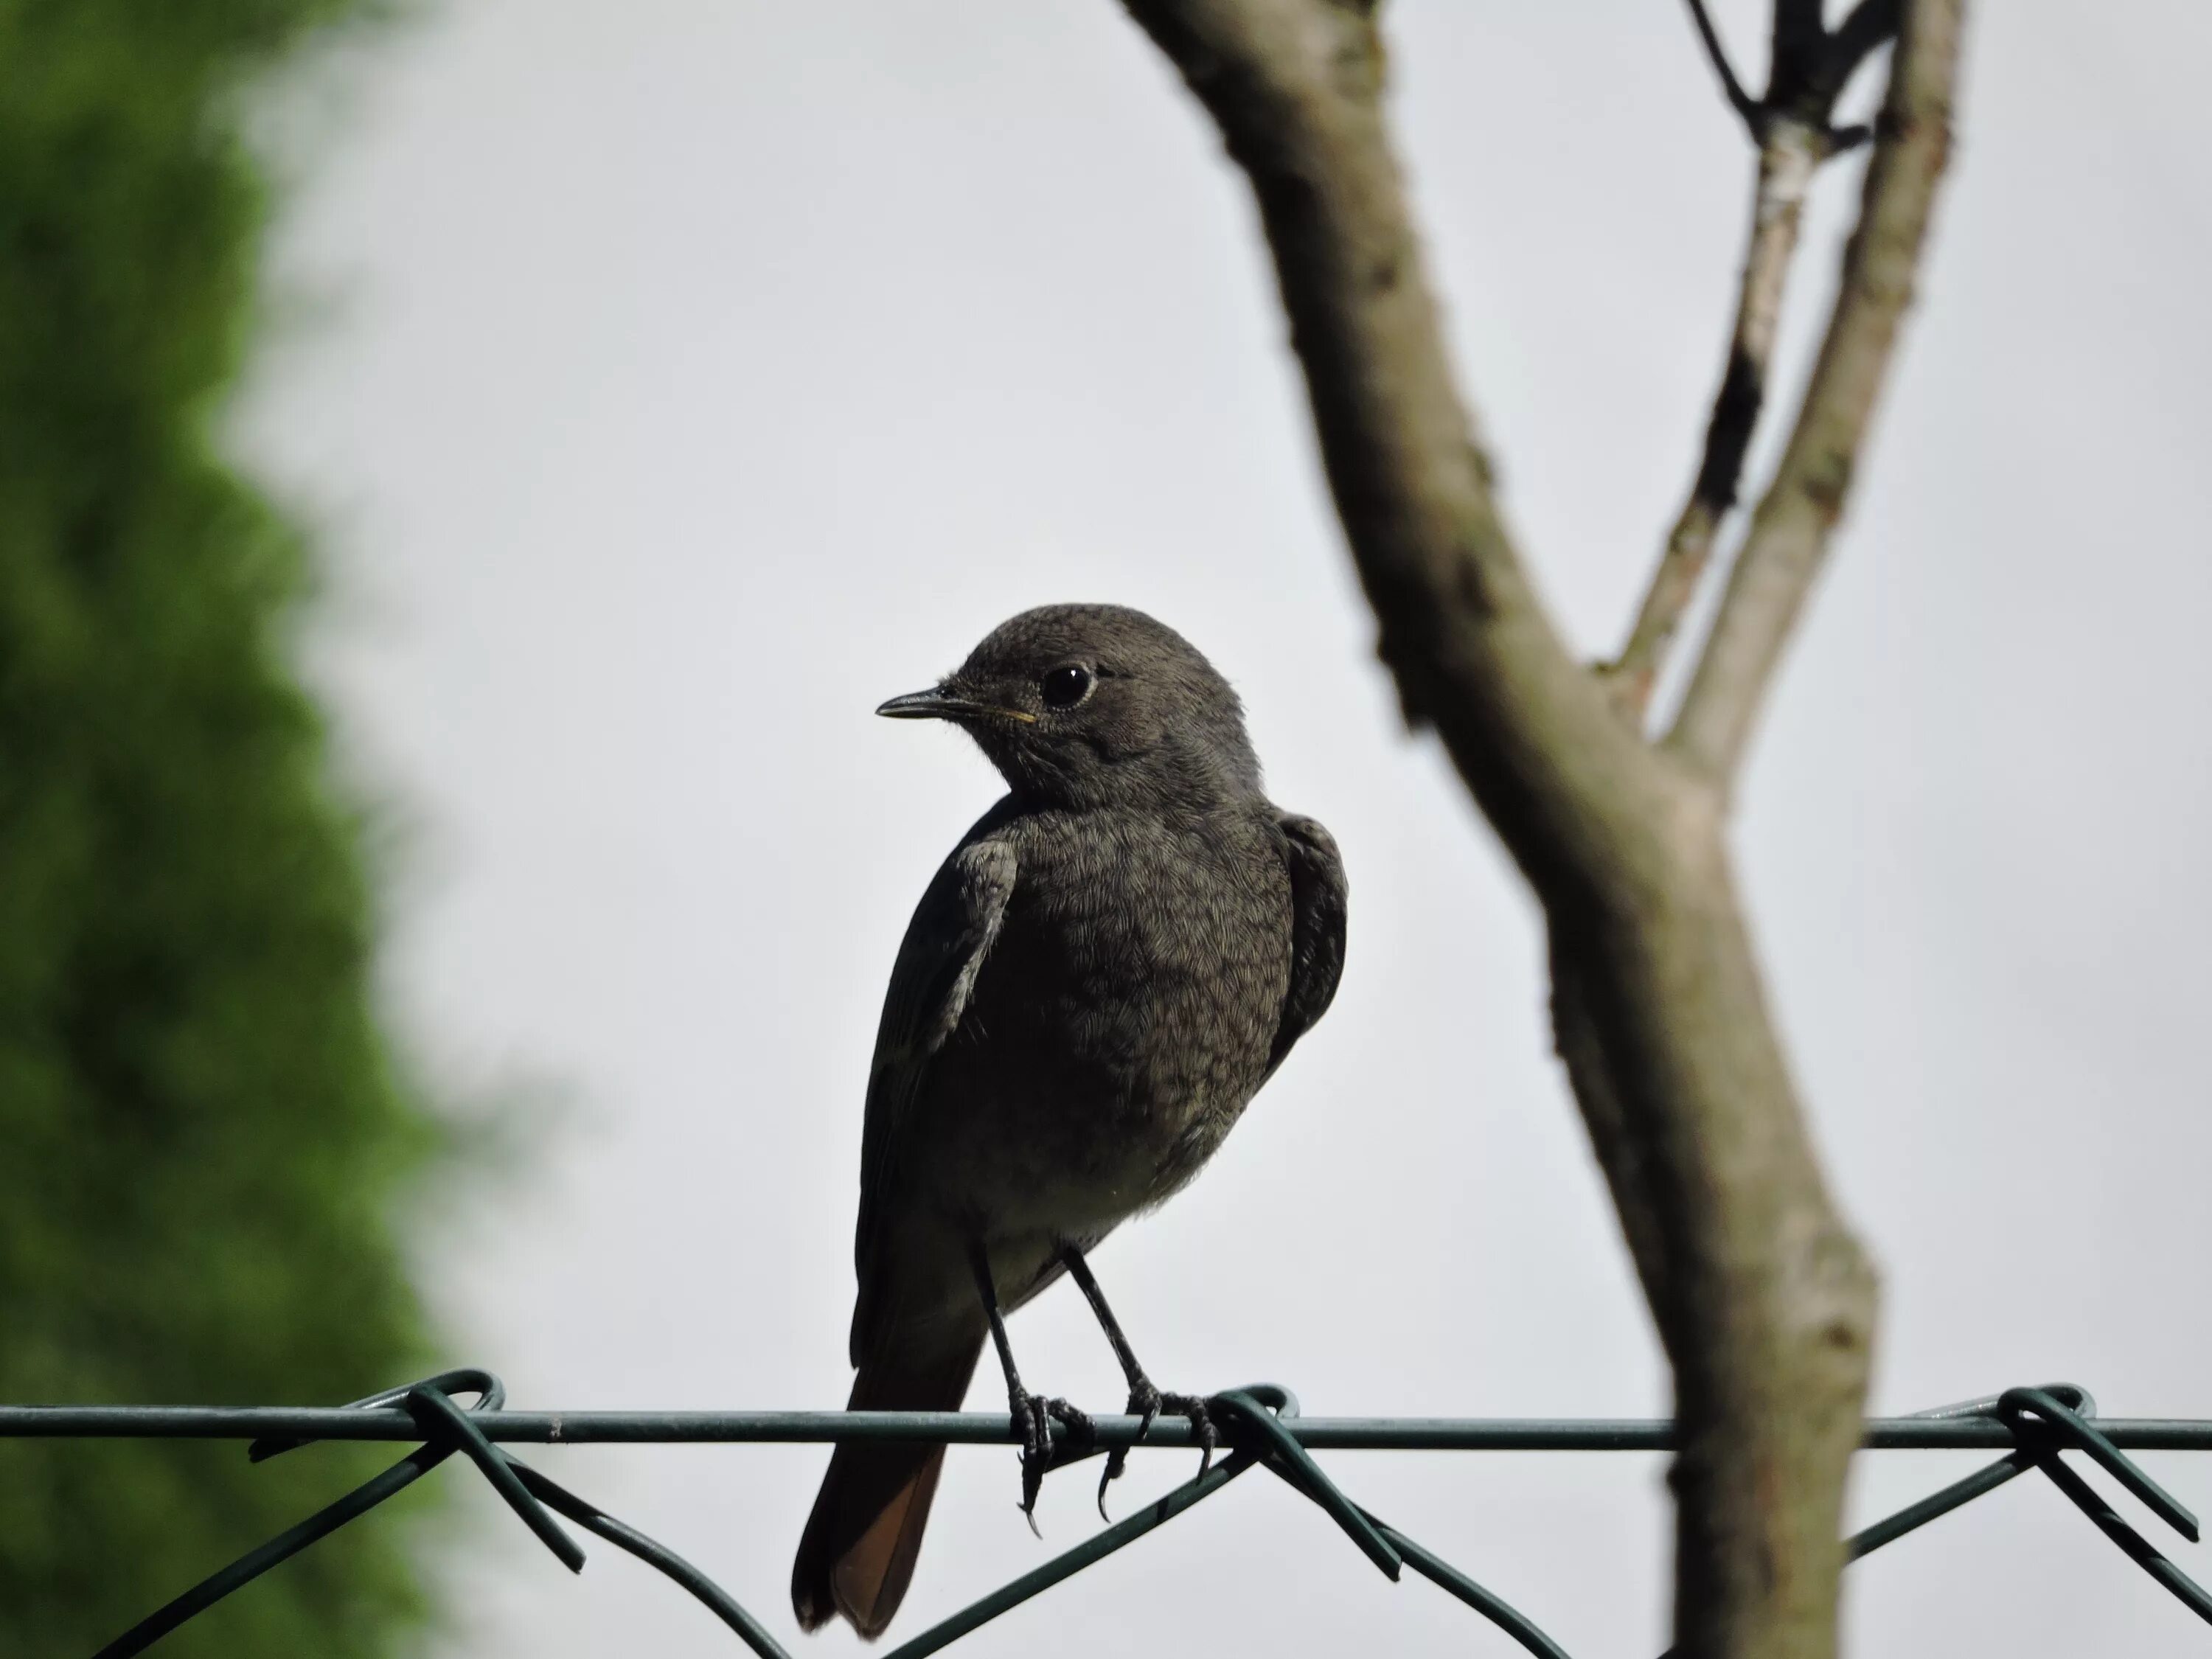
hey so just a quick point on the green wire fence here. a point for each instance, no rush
(2033, 1427)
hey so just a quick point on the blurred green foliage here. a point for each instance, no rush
(203, 1148)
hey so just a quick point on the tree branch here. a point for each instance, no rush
(1799, 39)
(1294, 86)
(1792, 125)
(1788, 156)
(1739, 100)
(1789, 532)
(1763, 1300)
(1859, 36)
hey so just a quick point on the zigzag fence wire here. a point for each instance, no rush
(2033, 1427)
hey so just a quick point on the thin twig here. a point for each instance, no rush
(1787, 160)
(1792, 125)
(1871, 23)
(1799, 40)
(1739, 100)
(1809, 69)
(1789, 532)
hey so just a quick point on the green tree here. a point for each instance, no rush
(203, 1147)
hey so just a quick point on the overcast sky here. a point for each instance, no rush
(671, 381)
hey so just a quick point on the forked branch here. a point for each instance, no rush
(1789, 533)
(1793, 127)
(1763, 1299)
(1716, 53)
(1787, 160)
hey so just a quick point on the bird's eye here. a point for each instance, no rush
(1064, 688)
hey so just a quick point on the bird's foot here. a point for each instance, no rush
(1034, 1416)
(1147, 1402)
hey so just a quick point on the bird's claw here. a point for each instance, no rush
(1193, 1407)
(1034, 1416)
(1146, 1403)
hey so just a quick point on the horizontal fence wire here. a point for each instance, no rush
(1260, 1424)
(653, 1428)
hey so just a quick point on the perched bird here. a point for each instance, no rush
(1105, 971)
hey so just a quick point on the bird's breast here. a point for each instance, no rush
(1122, 1021)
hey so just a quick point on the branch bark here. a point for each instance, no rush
(1793, 124)
(1763, 1300)
(1788, 541)
(1716, 54)
(1788, 154)
(1295, 87)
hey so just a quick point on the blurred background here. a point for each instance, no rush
(661, 386)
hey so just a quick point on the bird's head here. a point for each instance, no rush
(1093, 705)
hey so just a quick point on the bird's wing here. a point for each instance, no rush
(1318, 895)
(951, 933)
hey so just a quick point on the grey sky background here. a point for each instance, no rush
(671, 381)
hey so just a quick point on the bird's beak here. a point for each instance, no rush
(939, 704)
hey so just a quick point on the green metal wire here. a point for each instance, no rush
(1093, 1549)
(1292, 1461)
(1260, 1423)
(639, 1428)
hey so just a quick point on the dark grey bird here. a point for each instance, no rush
(1105, 971)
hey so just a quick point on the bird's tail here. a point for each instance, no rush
(857, 1554)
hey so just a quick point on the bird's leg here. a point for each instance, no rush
(1145, 1400)
(1033, 1417)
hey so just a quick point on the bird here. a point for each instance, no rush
(1100, 976)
